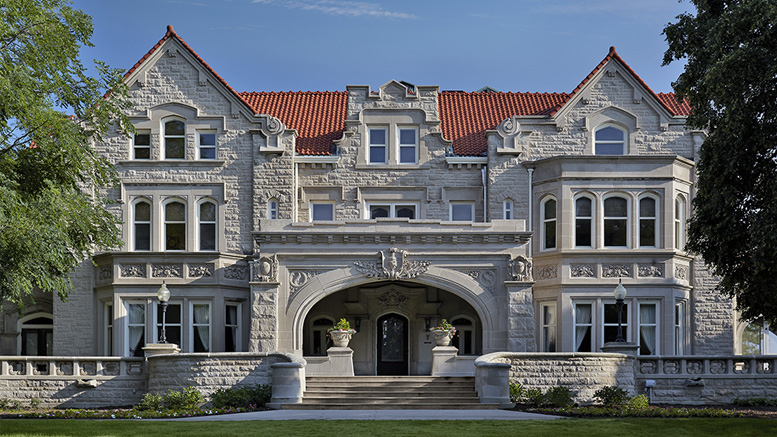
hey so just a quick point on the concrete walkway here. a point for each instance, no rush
(375, 415)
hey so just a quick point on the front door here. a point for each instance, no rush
(392, 345)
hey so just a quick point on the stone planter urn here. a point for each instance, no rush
(443, 336)
(341, 337)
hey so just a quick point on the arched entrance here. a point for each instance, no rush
(392, 357)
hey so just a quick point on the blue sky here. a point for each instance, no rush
(282, 45)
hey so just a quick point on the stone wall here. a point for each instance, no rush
(210, 372)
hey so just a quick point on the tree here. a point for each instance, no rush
(52, 216)
(730, 81)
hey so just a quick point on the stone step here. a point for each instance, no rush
(421, 400)
(366, 391)
(396, 406)
(362, 379)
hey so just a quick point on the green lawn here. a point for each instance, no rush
(340, 428)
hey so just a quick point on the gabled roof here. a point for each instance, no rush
(318, 116)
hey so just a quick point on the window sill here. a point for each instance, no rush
(388, 167)
(174, 162)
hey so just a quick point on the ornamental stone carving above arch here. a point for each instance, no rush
(392, 265)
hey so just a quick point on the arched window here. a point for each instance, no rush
(616, 222)
(37, 334)
(320, 342)
(679, 223)
(548, 223)
(175, 225)
(175, 139)
(648, 227)
(508, 210)
(609, 140)
(584, 222)
(206, 214)
(272, 209)
(141, 226)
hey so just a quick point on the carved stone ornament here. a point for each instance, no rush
(583, 271)
(520, 268)
(681, 273)
(237, 272)
(200, 270)
(298, 278)
(547, 272)
(266, 269)
(651, 270)
(486, 278)
(392, 299)
(167, 271)
(274, 125)
(616, 271)
(392, 265)
(133, 271)
(106, 273)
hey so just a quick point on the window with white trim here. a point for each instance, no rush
(199, 330)
(548, 230)
(322, 211)
(584, 223)
(141, 226)
(175, 225)
(232, 334)
(616, 222)
(548, 312)
(394, 210)
(141, 144)
(462, 211)
(135, 338)
(272, 209)
(648, 228)
(174, 139)
(648, 328)
(378, 141)
(408, 145)
(679, 223)
(507, 209)
(679, 328)
(583, 327)
(173, 323)
(206, 144)
(206, 215)
(609, 140)
(610, 322)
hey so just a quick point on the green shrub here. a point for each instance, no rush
(638, 403)
(516, 392)
(558, 396)
(16, 404)
(611, 396)
(187, 399)
(5, 403)
(755, 402)
(242, 397)
(34, 402)
(150, 401)
(533, 397)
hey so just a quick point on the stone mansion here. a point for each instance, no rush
(272, 215)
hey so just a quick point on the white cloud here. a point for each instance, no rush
(339, 7)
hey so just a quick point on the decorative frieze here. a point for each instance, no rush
(237, 272)
(547, 272)
(616, 271)
(651, 270)
(200, 270)
(520, 268)
(583, 271)
(392, 300)
(167, 270)
(681, 272)
(132, 270)
(392, 265)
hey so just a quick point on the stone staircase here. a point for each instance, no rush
(389, 393)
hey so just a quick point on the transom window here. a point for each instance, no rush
(616, 222)
(378, 139)
(175, 226)
(206, 144)
(609, 140)
(549, 224)
(583, 222)
(175, 139)
(142, 226)
(408, 145)
(141, 145)
(392, 210)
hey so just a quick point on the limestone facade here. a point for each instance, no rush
(394, 226)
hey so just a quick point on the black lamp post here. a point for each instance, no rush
(163, 295)
(620, 294)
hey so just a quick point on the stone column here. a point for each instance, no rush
(520, 317)
(264, 317)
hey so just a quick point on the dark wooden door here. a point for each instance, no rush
(392, 345)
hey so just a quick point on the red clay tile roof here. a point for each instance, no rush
(677, 108)
(467, 116)
(318, 116)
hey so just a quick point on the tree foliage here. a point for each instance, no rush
(730, 80)
(52, 216)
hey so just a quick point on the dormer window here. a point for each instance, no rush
(175, 139)
(610, 140)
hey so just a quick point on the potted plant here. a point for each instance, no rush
(341, 333)
(443, 333)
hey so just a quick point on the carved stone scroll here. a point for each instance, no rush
(392, 265)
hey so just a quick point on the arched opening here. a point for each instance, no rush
(37, 334)
(392, 320)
